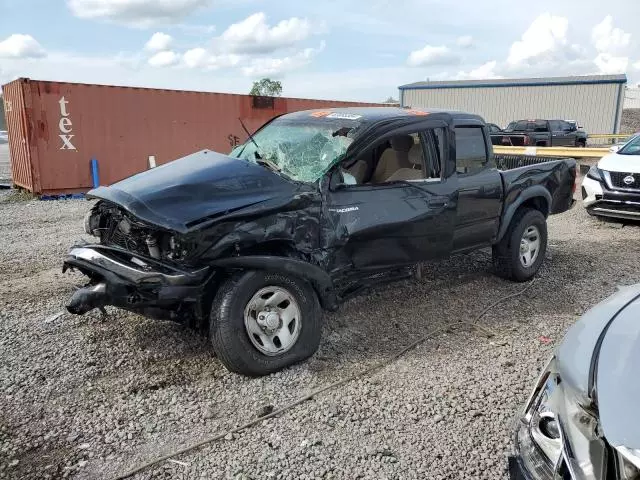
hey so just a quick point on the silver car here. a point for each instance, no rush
(582, 420)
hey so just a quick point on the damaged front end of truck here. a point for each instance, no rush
(167, 238)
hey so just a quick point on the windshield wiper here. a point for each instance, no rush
(253, 140)
(267, 163)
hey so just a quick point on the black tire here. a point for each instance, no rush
(506, 254)
(581, 143)
(230, 338)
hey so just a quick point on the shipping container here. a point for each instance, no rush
(55, 129)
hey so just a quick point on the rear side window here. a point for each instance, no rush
(471, 150)
(541, 127)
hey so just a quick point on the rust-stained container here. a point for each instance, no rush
(55, 129)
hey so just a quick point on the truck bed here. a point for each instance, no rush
(557, 176)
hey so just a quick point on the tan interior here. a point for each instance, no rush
(413, 173)
(394, 158)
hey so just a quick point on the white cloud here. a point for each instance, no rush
(430, 55)
(201, 58)
(608, 64)
(466, 41)
(196, 57)
(545, 38)
(607, 38)
(159, 41)
(164, 59)
(141, 13)
(21, 46)
(254, 35)
(486, 70)
(261, 67)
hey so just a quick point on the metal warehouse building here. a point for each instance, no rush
(595, 101)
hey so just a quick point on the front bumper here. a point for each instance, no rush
(130, 281)
(599, 199)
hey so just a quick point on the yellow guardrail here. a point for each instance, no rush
(608, 135)
(569, 152)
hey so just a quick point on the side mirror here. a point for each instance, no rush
(614, 148)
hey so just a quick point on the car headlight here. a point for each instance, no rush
(595, 173)
(628, 463)
(92, 223)
(538, 437)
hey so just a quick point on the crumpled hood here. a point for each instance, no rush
(618, 354)
(181, 194)
(614, 162)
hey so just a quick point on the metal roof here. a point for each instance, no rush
(519, 82)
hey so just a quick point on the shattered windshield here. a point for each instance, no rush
(301, 149)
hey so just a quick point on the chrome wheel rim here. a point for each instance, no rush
(529, 246)
(272, 320)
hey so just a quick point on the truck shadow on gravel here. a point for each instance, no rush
(389, 318)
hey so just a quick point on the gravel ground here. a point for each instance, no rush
(88, 397)
(630, 120)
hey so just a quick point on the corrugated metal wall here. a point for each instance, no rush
(16, 116)
(632, 98)
(55, 129)
(597, 108)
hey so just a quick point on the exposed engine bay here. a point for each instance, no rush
(117, 228)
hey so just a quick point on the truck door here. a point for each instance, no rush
(404, 218)
(561, 134)
(479, 190)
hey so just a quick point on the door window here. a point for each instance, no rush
(556, 125)
(471, 150)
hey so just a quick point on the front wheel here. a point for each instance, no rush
(521, 251)
(262, 322)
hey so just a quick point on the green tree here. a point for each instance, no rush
(266, 88)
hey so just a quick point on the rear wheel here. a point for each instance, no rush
(521, 251)
(262, 322)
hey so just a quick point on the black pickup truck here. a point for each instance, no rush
(541, 133)
(315, 207)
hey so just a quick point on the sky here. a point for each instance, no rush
(330, 49)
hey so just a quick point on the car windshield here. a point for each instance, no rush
(632, 147)
(302, 149)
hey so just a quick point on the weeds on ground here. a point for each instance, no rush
(16, 195)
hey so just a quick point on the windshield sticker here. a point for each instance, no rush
(320, 114)
(417, 112)
(344, 116)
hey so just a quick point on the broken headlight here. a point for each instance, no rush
(92, 223)
(538, 437)
(628, 463)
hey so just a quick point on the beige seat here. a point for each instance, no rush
(413, 173)
(393, 159)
